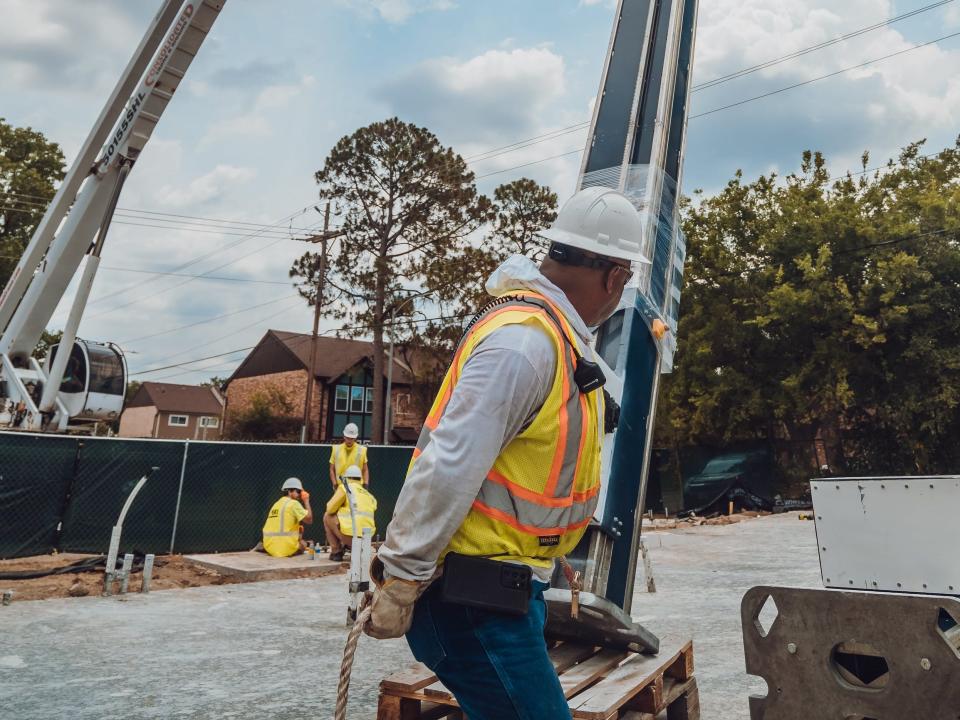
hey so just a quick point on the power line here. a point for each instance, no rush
(200, 258)
(897, 241)
(553, 134)
(823, 77)
(190, 279)
(741, 102)
(219, 278)
(819, 46)
(134, 212)
(255, 323)
(520, 144)
(533, 162)
(122, 219)
(205, 321)
(305, 338)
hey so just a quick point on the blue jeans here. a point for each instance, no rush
(496, 665)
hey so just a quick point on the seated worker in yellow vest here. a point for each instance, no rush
(348, 453)
(338, 521)
(283, 532)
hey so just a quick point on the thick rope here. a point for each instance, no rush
(346, 665)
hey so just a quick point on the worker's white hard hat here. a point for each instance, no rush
(602, 221)
(352, 472)
(351, 430)
(292, 484)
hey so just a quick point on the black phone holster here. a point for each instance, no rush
(486, 584)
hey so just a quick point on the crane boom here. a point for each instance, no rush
(76, 222)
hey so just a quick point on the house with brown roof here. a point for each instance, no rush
(276, 370)
(173, 412)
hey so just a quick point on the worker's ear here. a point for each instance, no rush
(611, 281)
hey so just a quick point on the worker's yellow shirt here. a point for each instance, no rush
(281, 531)
(365, 506)
(341, 458)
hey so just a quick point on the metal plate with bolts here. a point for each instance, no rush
(600, 622)
(897, 534)
(852, 655)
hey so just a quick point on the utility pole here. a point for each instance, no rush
(322, 238)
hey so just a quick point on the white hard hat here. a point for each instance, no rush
(352, 472)
(292, 484)
(602, 221)
(351, 430)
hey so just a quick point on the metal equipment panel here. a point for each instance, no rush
(897, 534)
(852, 655)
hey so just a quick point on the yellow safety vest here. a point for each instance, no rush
(281, 531)
(539, 496)
(365, 507)
(342, 458)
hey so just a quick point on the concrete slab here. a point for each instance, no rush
(251, 566)
(273, 649)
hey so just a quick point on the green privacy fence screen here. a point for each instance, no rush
(65, 493)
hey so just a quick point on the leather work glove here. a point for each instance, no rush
(391, 612)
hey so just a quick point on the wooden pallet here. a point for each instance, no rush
(599, 685)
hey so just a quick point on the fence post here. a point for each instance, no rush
(67, 496)
(176, 513)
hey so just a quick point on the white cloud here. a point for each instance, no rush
(205, 188)
(46, 43)
(256, 122)
(879, 107)
(396, 11)
(951, 16)
(497, 95)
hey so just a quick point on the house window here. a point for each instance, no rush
(178, 420)
(401, 405)
(353, 402)
(356, 399)
(342, 398)
(209, 422)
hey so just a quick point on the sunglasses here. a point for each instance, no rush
(573, 256)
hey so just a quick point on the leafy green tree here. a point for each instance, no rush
(270, 416)
(132, 387)
(818, 310)
(30, 168)
(47, 340)
(406, 205)
(522, 208)
(217, 382)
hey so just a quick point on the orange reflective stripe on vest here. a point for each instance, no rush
(542, 490)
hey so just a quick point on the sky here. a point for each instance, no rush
(277, 84)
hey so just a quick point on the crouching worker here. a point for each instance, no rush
(338, 521)
(283, 531)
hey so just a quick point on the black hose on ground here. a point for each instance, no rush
(96, 563)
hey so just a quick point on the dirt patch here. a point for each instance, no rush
(664, 523)
(169, 572)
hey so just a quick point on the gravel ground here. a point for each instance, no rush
(272, 649)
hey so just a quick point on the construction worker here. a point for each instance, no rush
(348, 453)
(283, 531)
(507, 469)
(338, 520)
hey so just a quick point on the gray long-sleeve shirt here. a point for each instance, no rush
(503, 385)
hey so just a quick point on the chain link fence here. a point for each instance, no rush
(65, 493)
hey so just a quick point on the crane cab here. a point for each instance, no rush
(94, 382)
